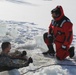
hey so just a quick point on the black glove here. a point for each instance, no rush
(24, 53)
(30, 60)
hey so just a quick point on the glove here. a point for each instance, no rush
(24, 53)
(50, 38)
(64, 47)
(30, 60)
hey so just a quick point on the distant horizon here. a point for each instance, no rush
(39, 14)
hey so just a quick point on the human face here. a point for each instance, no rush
(8, 48)
(54, 15)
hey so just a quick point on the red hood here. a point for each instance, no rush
(62, 13)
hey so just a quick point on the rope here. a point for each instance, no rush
(72, 65)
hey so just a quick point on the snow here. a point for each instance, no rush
(24, 23)
(55, 70)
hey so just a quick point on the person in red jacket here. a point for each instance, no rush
(61, 33)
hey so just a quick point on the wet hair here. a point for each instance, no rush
(5, 45)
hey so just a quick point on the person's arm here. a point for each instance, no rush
(50, 30)
(9, 63)
(68, 34)
(50, 35)
(18, 57)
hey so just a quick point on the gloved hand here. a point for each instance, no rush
(50, 38)
(24, 53)
(64, 47)
(30, 60)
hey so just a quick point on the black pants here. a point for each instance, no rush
(49, 41)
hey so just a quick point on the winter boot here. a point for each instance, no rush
(47, 52)
(50, 51)
(71, 51)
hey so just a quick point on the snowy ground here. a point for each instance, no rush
(28, 37)
(24, 30)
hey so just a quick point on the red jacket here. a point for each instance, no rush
(62, 29)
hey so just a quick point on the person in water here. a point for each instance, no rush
(6, 61)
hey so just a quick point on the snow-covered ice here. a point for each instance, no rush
(24, 23)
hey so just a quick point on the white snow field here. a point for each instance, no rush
(23, 23)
